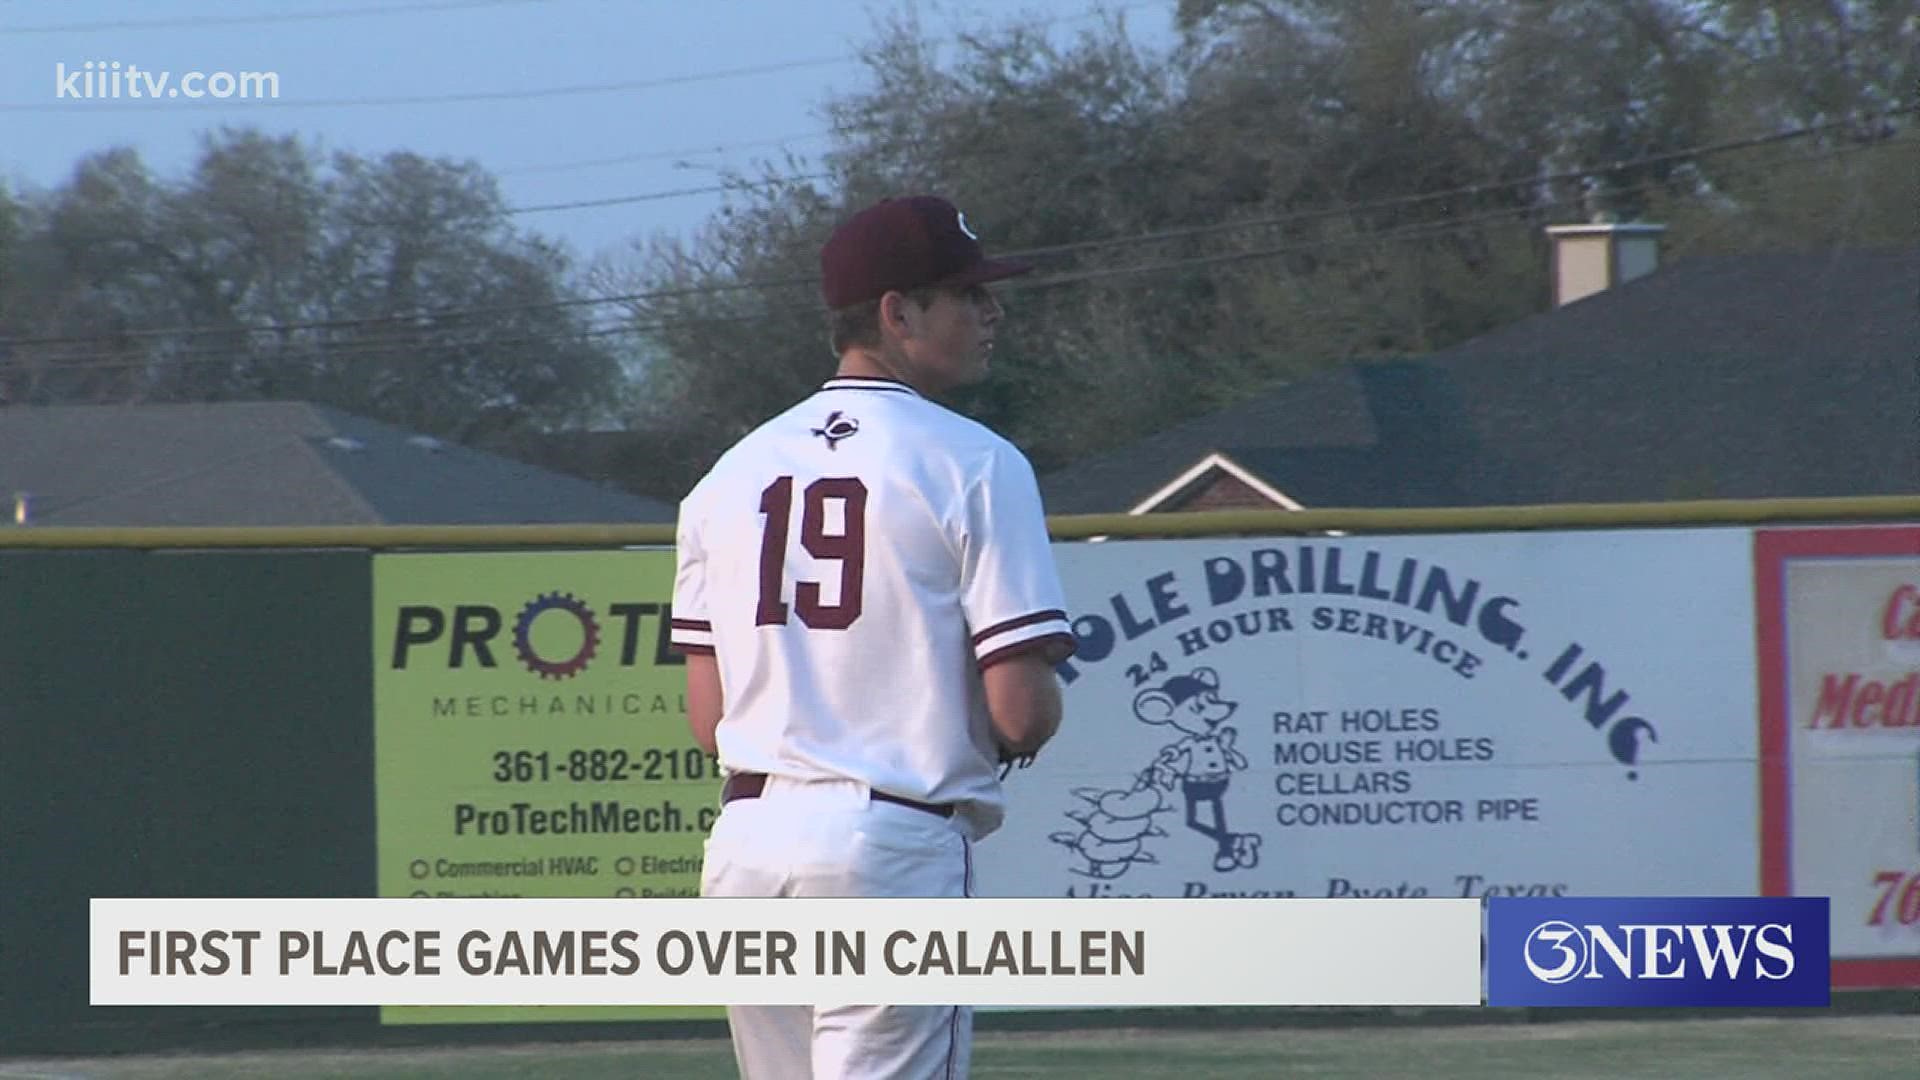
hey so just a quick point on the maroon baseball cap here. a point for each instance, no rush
(905, 243)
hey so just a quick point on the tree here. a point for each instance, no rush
(1805, 63)
(12, 216)
(1845, 72)
(393, 287)
(1049, 147)
(1299, 183)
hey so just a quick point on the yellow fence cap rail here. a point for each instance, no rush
(1730, 512)
(383, 537)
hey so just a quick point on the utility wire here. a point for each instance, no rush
(1229, 226)
(662, 155)
(95, 105)
(190, 22)
(675, 193)
(361, 350)
(780, 141)
(324, 352)
(1241, 225)
(1189, 112)
(1469, 191)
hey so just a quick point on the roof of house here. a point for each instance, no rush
(1725, 377)
(276, 463)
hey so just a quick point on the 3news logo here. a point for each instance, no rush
(1658, 952)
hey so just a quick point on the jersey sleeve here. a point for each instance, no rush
(1010, 588)
(691, 632)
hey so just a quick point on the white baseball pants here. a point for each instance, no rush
(811, 839)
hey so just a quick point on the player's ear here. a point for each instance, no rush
(894, 307)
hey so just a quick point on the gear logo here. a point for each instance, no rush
(523, 636)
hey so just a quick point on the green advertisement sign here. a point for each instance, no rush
(530, 739)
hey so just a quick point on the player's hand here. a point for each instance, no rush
(1010, 761)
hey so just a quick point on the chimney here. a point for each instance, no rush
(1592, 258)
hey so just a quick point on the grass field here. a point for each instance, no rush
(1830, 1048)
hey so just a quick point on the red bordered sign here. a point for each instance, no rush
(1838, 617)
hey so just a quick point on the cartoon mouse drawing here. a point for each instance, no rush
(1113, 828)
(1203, 760)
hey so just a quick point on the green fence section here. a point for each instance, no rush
(173, 724)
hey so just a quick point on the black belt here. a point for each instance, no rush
(749, 785)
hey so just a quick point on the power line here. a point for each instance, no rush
(675, 193)
(1203, 108)
(221, 354)
(95, 104)
(1420, 231)
(1383, 204)
(769, 284)
(661, 155)
(198, 21)
(1207, 108)
(363, 350)
(585, 89)
(360, 350)
(1468, 191)
(809, 136)
(1188, 232)
(419, 317)
(1242, 225)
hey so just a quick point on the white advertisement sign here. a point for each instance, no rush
(1433, 716)
(1839, 614)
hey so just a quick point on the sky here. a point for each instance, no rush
(702, 87)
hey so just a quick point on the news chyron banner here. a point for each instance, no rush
(1526, 714)
(530, 737)
(1658, 952)
(1839, 612)
(1044, 953)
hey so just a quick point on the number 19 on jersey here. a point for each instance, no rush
(834, 497)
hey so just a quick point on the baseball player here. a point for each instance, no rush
(871, 617)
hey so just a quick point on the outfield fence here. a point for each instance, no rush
(1588, 698)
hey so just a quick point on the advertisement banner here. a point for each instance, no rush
(1437, 716)
(530, 739)
(1839, 643)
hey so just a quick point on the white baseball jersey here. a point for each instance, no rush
(854, 563)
